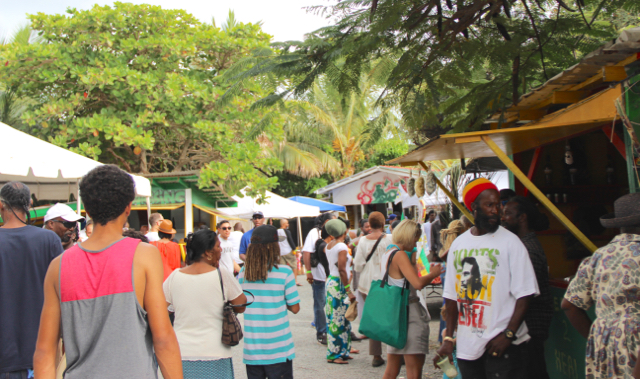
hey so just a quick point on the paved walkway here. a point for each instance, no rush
(310, 359)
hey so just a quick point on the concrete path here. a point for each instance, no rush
(310, 361)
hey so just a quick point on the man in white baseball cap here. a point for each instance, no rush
(62, 220)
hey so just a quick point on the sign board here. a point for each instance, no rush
(162, 196)
(378, 188)
(565, 348)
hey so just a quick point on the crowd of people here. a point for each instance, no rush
(111, 302)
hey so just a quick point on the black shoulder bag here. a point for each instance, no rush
(374, 248)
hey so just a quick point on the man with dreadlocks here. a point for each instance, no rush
(275, 289)
(25, 254)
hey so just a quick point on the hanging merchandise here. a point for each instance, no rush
(411, 186)
(431, 183)
(548, 171)
(420, 185)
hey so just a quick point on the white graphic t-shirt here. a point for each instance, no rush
(230, 248)
(486, 275)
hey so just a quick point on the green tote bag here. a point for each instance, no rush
(385, 316)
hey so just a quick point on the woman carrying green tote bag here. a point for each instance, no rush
(395, 315)
(384, 317)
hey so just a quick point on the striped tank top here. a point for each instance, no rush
(105, 331)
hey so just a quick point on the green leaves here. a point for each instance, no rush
(139, 86)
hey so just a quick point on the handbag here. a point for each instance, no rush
(352, 311)
(385, 316)
(231, 328)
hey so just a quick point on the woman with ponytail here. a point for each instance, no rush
(195, 293)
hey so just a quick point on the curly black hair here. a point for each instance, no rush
(106, 191)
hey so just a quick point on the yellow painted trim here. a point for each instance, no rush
(467, 139)
(158, 207)
(453, 199)
(538, 194)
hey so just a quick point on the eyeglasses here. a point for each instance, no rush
(226, 228)
(66, 224)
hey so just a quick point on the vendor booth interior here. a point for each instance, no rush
(569, 146)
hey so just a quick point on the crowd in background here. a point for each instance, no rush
(72, 299)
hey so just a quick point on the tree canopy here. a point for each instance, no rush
(449, 63)
(138, 85)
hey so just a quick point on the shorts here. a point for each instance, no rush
(289, 260)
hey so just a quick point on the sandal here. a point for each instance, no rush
(354, 351)
(338, 361)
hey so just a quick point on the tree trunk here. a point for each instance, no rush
(144, 169)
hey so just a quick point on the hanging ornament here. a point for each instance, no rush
(411, 186)
(568, 155)
(420, 184)
(431, 183)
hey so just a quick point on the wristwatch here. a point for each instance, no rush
(510, 334)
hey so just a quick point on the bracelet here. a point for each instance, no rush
(309, 272)
(450, 339)
(347, 286)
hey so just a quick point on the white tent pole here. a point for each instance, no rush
(188, 212)
(300, 241)
(78, 201)
(148, 198)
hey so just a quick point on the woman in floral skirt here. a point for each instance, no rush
(339, 295)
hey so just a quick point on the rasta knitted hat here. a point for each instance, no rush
(475, 188)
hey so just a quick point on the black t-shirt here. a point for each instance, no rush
(25, 254)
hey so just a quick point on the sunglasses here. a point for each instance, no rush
(226, 228)
(258, 217)
(66, 224)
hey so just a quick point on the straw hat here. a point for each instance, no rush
(166, 226)
(626, 212)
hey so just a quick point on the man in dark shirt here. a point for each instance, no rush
(25, 254)
(522, 218)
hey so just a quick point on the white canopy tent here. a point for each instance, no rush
(276, 207)
(51, 172)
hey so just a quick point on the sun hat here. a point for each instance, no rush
(335, 227)
(626, 212)
(166, 226)
(474, 188)
(63, 211)
(265, 234)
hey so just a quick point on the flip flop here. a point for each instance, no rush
(354, 351)
(338, 361)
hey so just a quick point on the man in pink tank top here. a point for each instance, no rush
(106, 293)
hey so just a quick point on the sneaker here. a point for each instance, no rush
(322, 340)
(377, 362)
(313, 324)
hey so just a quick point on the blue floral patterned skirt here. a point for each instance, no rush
(338, 327)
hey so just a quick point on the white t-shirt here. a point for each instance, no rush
(310, 246)
(426, 228)
(197, 300)
(285, 248)
(332, 258)
(503, 268)
(369, 271)
(152, 236)
(236, 237)
(230, 249)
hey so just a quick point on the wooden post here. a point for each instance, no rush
(454, 199)
(538, 194)
(532, 167)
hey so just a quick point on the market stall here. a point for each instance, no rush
(51, 172)
(564, 143)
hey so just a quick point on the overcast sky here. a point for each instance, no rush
(283, 19)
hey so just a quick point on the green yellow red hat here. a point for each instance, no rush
(475, 188)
